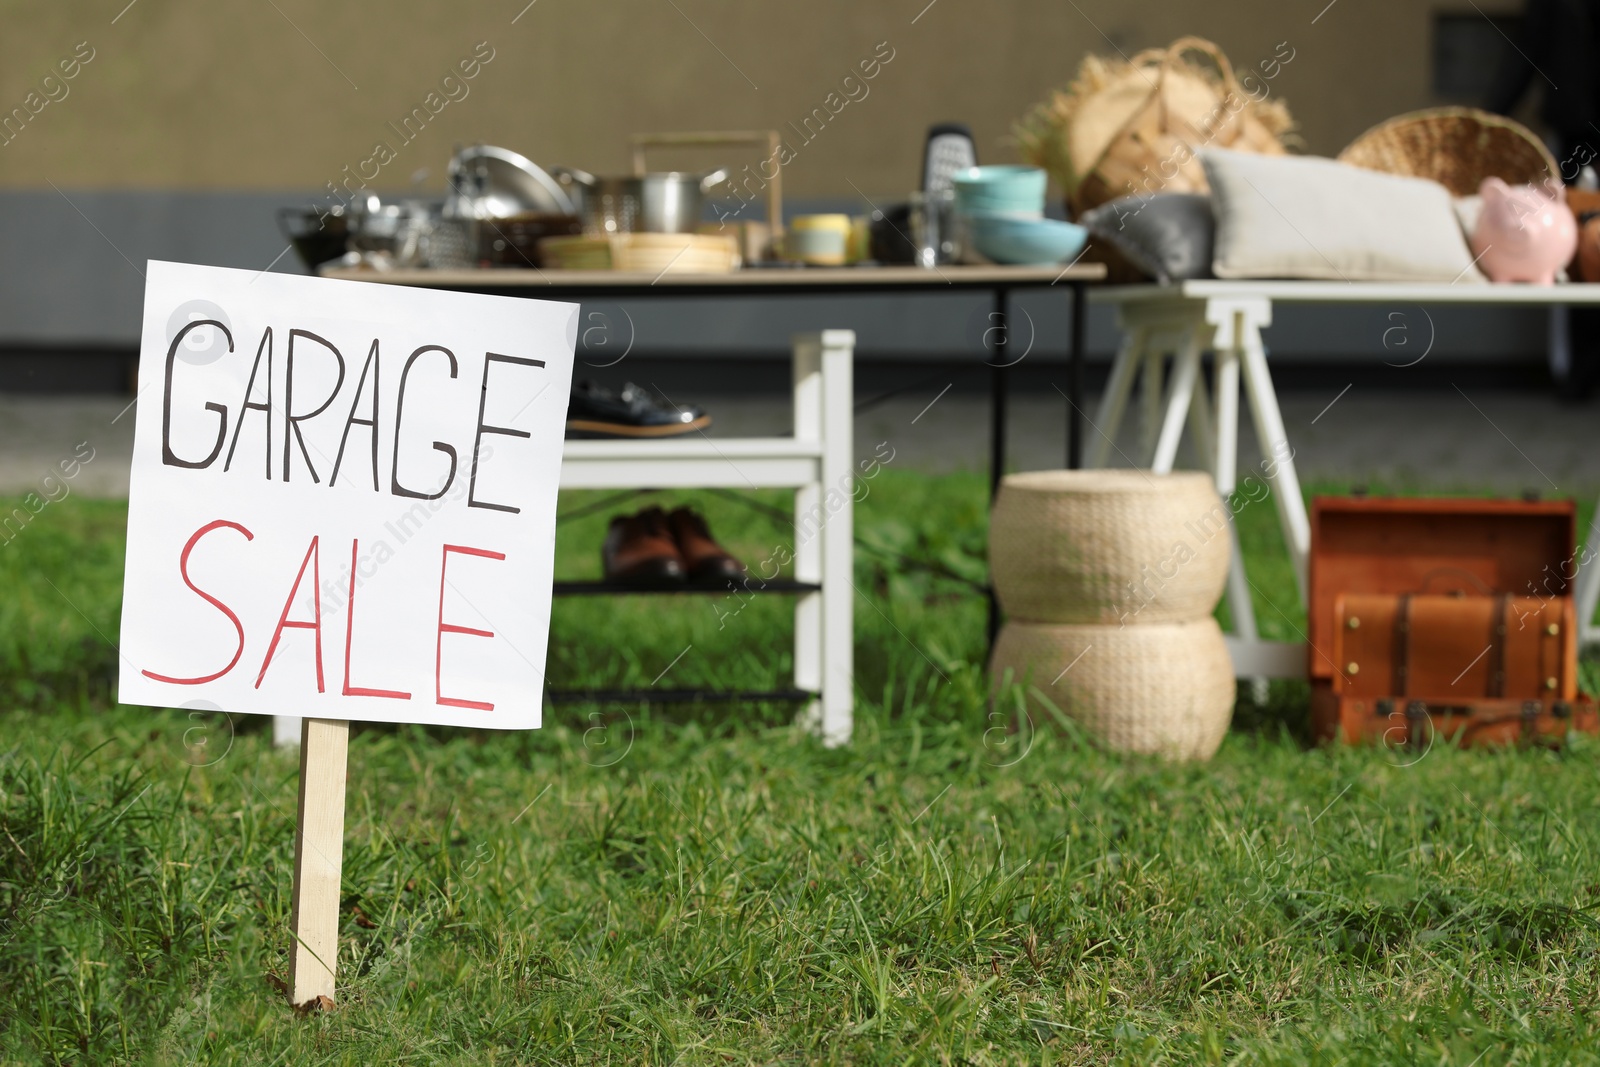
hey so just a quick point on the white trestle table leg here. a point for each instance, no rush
(1277, 454)
(1241, 354)
(1180, 398)
(1226, 459)
(1152, 389)
(1200, 428)
(1108, 419)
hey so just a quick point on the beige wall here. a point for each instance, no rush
(230, 94)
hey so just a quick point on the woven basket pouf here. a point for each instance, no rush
(1121, 547)
(1164, 690)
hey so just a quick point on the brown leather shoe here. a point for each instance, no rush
(707, 562)
(640, 548)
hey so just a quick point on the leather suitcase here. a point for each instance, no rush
(1418, 630)
(1481, 668)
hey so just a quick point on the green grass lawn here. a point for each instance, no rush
(711, 886)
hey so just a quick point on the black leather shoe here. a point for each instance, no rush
(596, 411)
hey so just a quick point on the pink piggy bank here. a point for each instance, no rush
(1524, 233)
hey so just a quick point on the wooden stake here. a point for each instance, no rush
(318, 860)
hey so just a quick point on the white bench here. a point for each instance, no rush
(818, 457)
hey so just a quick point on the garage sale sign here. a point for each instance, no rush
(343, 498)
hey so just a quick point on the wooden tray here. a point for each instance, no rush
(664, 253)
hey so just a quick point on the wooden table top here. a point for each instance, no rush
(767, 279)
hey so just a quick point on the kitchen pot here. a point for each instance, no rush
(660, 202)
(487, 182)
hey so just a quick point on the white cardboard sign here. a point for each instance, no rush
(343, 498)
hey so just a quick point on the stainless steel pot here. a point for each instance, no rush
(672, 200)
(663, 202)
(487, 182)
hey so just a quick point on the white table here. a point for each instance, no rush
(1186, 319)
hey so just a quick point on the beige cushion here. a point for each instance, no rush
(1304, 217)
(1468, 209)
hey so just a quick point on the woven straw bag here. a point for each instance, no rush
(1164, 690)
(1458, 147)
(1109, 546)
(1133, 127)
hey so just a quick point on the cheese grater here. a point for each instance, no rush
(949, 149)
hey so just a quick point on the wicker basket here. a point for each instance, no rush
(1109, 546)
(1158, 690)
(1458, 147)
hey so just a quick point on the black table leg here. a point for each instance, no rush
(997, 351)
(1075, 380)
(996, 343)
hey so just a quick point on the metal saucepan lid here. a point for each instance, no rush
(499, 183)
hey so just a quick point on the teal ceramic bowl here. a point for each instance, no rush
(1031, 242)
(1002, 190)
